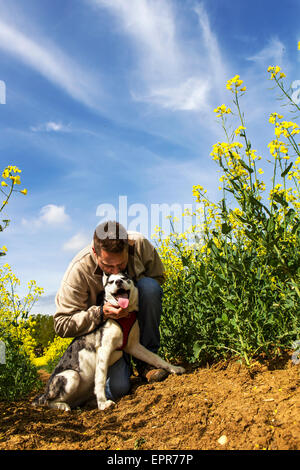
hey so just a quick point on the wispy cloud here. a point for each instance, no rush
(51, 62)
(216, 66)
(151, 25)
(51, 126)
(169, 73)
(272, 53)
(187, 96)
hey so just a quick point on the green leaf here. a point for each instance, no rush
(271, 224)
(226, 228)
(230, 306)
(224, 318)
(250, 170)
(185, 260)
(250, 235)
(197, 348)
(242, 219)
(285, 172)
(296, 227)
(213, 248)
(279, 198)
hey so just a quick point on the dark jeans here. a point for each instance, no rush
(150, 307)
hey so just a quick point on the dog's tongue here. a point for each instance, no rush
(123, 300)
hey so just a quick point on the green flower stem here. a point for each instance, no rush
(7, 196)
(236, 102)
(285, 93)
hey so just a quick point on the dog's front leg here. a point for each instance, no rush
(142, 353)
(111, 340)
(136, 349)
(100, 379)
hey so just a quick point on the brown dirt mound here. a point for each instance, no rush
(256, 408)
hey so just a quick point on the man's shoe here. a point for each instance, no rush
(151, 374)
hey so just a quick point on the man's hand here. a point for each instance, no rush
(114, 312)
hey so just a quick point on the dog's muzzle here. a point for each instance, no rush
(122, 297)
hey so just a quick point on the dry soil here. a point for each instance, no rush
(222, 406)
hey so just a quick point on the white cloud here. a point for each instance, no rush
(170, 74)
(51, 126)
(54, 215)
(271, 54)
(217, 69)
(151, 25)
(50, 215)
(187, 96)
(51, 62)
(77, 242)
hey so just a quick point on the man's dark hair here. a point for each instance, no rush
(110, 236)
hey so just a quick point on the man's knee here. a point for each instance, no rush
(120, 388)
(150, 288)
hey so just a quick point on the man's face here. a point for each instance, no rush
(112, 263)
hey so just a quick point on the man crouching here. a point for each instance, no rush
(79, 310)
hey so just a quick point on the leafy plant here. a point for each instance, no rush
(18, 376)
(234, 290)
(43, 333)
(11, 178)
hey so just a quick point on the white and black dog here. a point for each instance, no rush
(80, 375)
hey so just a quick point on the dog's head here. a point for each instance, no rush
(120, 291)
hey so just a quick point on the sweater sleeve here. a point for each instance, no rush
(73, 317)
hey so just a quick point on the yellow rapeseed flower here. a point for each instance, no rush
(222, 110)
(274, 71)
(236, 82)
(274, 116)
(239, 129)
(16, 179)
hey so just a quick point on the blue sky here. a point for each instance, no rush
(109, 98)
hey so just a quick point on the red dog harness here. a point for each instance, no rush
(126, 324)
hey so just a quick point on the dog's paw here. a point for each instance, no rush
(61, 405)
(177, 370)
(103, 405)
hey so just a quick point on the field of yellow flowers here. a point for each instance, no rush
(234, 291)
